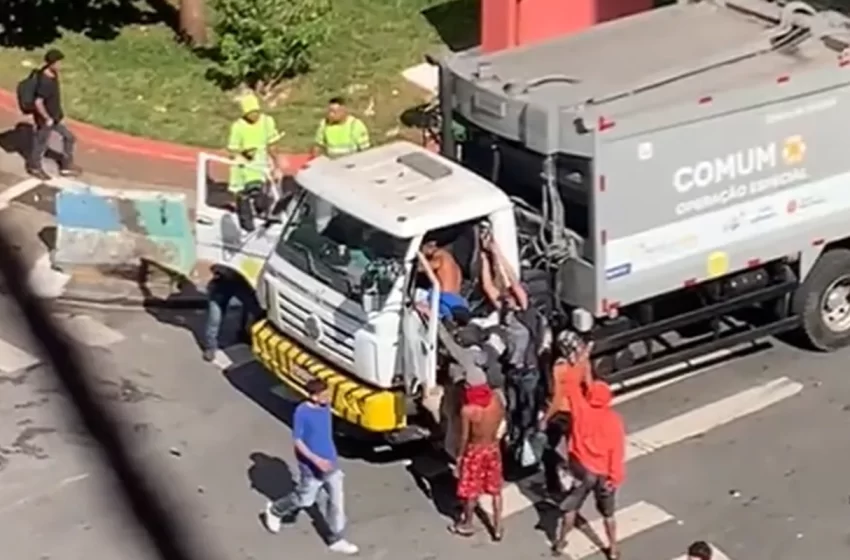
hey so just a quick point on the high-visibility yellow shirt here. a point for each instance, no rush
(256, 136)
(339, 139)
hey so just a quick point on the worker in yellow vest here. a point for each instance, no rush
(340, 133)
(251, 144)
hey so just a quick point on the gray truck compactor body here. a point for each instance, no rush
(687, 143)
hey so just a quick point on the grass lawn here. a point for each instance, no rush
(143, 83)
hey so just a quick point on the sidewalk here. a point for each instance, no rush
(110, 161)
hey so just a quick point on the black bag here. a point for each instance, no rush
(26, 92)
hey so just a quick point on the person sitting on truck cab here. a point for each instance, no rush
(444, 265)
(251, 145)
(449, 279)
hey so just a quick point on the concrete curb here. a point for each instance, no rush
(83, 297)
(127, 144)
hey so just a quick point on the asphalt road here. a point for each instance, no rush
(762, 479)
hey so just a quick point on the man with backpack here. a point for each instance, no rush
(40, 95)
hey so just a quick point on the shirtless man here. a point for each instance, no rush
(444, 265)
(480, 457)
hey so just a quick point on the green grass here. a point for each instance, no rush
(144, 83)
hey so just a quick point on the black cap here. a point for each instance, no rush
(53, 55)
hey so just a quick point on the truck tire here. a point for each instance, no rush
(823, 302)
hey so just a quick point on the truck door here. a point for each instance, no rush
(219, 238)
(419, 328)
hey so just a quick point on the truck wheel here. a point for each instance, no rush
(823, 302)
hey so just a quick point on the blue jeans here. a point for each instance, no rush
(220, 292)
(304, 497)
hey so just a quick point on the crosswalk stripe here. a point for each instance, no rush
(233, 356)
(709, 417)
(678, 429)
(88, 331)
(14, 359)
(631, 520)
(716, 554)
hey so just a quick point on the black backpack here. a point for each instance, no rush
(26, 92)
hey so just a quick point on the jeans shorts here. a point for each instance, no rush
(585, 482)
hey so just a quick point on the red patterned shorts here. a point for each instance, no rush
(480, 471)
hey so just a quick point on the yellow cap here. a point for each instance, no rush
(249, 104)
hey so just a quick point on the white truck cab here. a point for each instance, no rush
(339, 289)
(220, 240)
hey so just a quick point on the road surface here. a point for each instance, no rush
(750, 455)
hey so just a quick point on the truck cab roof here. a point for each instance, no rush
(402, 189)
(641, 66)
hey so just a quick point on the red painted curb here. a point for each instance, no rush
(108, 140)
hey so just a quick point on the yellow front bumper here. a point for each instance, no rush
(375, 410)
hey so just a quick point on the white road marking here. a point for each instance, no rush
(716, 554)
(631, 520)
(677, 429)
(17, 190)
(709, 417)
(14, 359)
(233, 356)
(87, 331)
(8, 508)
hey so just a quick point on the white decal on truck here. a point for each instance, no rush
(777, 214)
(736, 166)
(727, 168)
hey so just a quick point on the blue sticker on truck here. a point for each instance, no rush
(618, 271)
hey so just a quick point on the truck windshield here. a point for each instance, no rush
(338, 249)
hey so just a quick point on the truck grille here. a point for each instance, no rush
(334, 340)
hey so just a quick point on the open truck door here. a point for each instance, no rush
(219, 237)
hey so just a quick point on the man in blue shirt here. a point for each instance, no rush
(318, 468)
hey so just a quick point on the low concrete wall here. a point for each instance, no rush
(96, 226)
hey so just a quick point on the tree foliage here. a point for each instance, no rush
(261, 42)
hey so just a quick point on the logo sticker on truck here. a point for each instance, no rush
(736, 168)
(618, 271)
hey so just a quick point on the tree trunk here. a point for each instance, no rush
(193, 22)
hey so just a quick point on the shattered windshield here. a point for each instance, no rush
(339, 250)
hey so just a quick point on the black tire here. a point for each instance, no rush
(808, 301)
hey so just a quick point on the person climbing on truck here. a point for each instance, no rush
(596, 443)
(521, 328)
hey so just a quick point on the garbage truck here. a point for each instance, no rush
(668, 184)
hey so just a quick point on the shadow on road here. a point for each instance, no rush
(18, 141)
(263, 390)
(272, 477)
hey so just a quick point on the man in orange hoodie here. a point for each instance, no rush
(596, 444)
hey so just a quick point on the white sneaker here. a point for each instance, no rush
(270, 520)
(344, 547)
